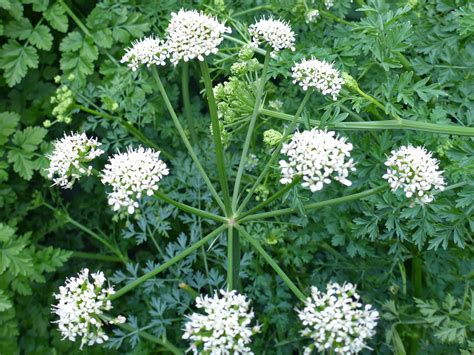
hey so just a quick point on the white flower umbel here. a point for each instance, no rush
(70, 157)
(317, 74)
(145, 51)
(336, 320)
(80, 304)
(415, 171)
(225, 328)
(274, 33)
(132, 174)
(319, 157)
(192, 34)
(329, 3)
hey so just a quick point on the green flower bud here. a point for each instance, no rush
(68, 120)
(246, 52)
(349, 81)
(57, 79)
(47, 123)
(272, 137)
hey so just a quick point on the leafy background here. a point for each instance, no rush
(416, 57)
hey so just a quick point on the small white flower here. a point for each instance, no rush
(415, 171)
(337, 320)
(329, 3)
(192, 34)
(146, 51)
(311, 16)
(319, 75)
(69, 159)
(132, 174)
(272, 32)
(80, 304)
(319, 157)
(225, 328)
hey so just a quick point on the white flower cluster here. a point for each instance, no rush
(224, 328)
(146, 51)
(274, 33)
(319, 157)
(329, 3)
(80, 304)
(337, 320)
(318, 74)
(70, 154)
(192, 34)
(415, 171)
(131, 174)
(311, 16)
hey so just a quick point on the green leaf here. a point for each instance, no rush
(6, 232)
(20, 29)
(29, 138)
(8, 122)
(57, 18)
(42, 38)
(5, 4)
(14, 258)
(15, 60)
(72, 42)
(5, 302)
(22, 163)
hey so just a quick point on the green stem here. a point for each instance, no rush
(383, 125)
(253, 9)
(329, 15)
(187, 102)
(276, 151)
(190, 209)
(128, 126)
(216, 134)
(145, 335)
(417, 272)
(233, 258)
(93, 256)
(242, 43)
(315, 205)
(272, 198)
(185, 139)
(76, 19)
(168, 263)
(250, 131)
(273, 264)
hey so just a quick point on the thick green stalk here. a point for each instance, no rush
(276, 151)
(185, 139)
(187, 102)
(383, 125)
(216, 134)
(255, 243)
(168, 263)
(272, 198)
(233, 258)
(315, 205)
(128, 126)
(329, 15)
(250, 131)
(190, 209)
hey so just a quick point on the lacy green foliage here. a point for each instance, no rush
(415, 57)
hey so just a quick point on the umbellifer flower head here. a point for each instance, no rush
(272, 32)
(224, 328)
(192, 34)
(80, 304)
(317, 74)
(132, 174)
(415, 171)
(319, 157)
(69, 158)
(337, 320)
(145, 51)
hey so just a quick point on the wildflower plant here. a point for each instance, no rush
(288, 154)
